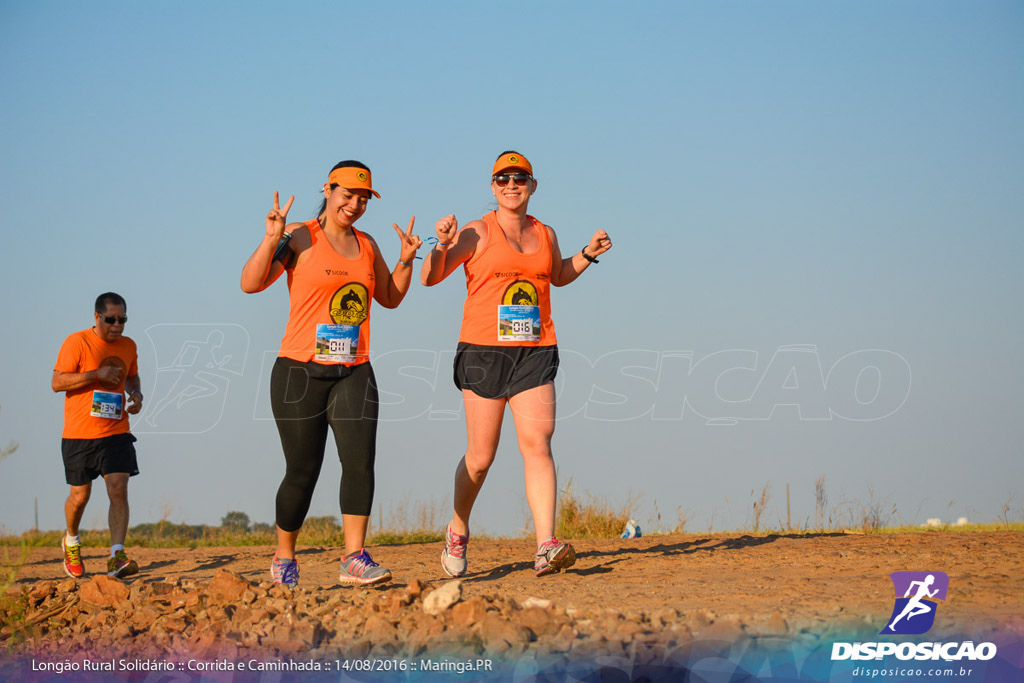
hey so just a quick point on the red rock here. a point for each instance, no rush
(41, 591)
(563, 640)
(104, 591)
(628, 630)
(541, 621)
(96, 621)
(377, 630)
(175, 623)
(227, 586)
(499, 634)
(469, 613)
(305, 634)
(728, 628)
(259, 615)
(279, 590)
(414, 588)
(359, 649)
(396, 606)
(190, 599)
(143, 617)
(772, 625)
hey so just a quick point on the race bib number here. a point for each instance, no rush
(518, 323)
(336, 343)
(107, 404)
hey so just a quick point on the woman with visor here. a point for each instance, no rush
(322, 377)
(507, 352)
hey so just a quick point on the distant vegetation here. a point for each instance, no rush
(578, 517)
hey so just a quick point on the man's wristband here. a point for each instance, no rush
(589, 258)
(405, 263)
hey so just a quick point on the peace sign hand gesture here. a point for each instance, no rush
(410, 242)
(277, 218)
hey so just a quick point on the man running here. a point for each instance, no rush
(94, 368)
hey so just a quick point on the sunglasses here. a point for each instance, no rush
(519, 178)
(111, 319)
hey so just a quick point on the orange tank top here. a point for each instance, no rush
(330, 295)
(507, 293)
(96, 410)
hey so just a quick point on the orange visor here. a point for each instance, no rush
(511, 161)
(352, 178)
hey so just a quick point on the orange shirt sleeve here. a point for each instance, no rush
(69, 359)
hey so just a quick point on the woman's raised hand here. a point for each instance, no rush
(410, 242)
(277, 218)
(599, 243)
(446, 228)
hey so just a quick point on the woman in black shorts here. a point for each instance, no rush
(507, 351)
(322, 377)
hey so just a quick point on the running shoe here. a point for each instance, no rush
(72, 559)
(119, 566)
(453, 557)
(360, 568)
(553, 556)
(285, 571)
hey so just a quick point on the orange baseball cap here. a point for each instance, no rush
(353, 178)
(511, 160)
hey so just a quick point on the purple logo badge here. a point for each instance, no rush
(916, 596)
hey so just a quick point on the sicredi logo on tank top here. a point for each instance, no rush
(519, 273)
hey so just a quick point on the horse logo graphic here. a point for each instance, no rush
(350, 305)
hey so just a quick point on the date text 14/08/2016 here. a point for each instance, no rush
(447, 665)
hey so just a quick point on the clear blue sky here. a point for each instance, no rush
(822, 203)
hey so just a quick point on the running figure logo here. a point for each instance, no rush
(914, 612)
(195, 364)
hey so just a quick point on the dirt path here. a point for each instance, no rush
(808, 579)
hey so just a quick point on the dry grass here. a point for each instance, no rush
(593, 518)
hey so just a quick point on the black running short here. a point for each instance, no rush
(86, 459)
(504, 371)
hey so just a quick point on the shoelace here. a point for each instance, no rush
(362, 562)
(289, 571)
(455, 545)
(120, 556)
(547, 546)
(74, 553)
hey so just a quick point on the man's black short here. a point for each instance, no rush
(86, 459)
(504, 371)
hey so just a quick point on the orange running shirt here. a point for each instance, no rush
(96, 411)
(507, 293)
(330, 295)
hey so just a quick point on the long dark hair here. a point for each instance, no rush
(348, 163)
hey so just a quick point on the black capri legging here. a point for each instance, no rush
(306, 398)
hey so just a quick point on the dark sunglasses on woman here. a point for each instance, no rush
(520, 179)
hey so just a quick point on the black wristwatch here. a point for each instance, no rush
(589, 258)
